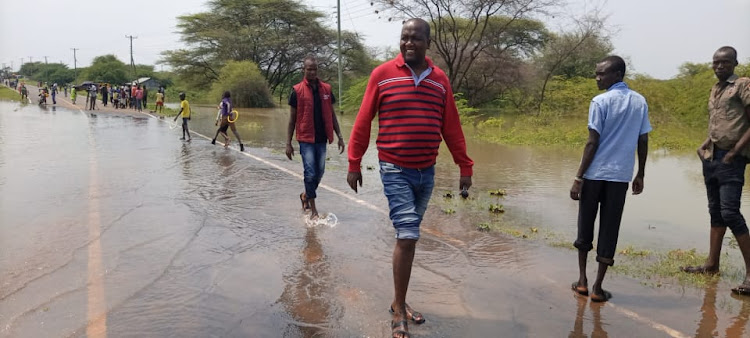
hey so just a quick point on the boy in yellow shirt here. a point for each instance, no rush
(185, 111)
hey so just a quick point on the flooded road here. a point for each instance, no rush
(110, 226)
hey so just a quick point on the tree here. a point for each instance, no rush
(689, 69)
(52, 72)
(462, 30)
(106, 68)
(274, 34)
(245, 83)
(574, 53)
(498, 67)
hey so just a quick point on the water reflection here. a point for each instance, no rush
(739, 322)
(709, 322)
(596, 317)
(306, 296)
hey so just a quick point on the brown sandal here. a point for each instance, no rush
(579, 289)
(396, 329)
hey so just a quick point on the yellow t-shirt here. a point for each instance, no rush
(159, 97)
(185, 105)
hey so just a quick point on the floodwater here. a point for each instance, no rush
(111, 226)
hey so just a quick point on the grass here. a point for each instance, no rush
(165, 112)
(664, 268)
(8, 94)
(571, 132)
(652, 267)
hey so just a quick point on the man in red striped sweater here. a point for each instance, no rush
(416, 111)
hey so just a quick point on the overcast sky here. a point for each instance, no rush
(655, 35)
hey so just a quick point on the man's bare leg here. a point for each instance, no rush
(714, 253)
(597, 293)
(743, 241)
(403, 257)
(583, 282)
(313, 209)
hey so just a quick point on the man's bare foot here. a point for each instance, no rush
(399, 324)
(412, 315)
(704, 269)
(313, 209)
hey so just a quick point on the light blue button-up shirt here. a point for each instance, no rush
(620, 116)
(420, 77)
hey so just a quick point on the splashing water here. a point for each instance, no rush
(330, 220)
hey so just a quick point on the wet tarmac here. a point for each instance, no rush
(111, 226)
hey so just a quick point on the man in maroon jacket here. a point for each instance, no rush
(416, 110)
(311, 114)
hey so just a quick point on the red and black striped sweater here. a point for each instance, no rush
(412, 120)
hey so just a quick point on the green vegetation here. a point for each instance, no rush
(653, 267)
(275, 35)
(166, 111)
(8, 94)
(52, 72)
(497, 192)
(245, 83)
(496, 208)
(677, 107)
(664, 268)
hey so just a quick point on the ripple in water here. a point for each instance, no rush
(330, 220)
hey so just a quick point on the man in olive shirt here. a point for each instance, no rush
(724, 155)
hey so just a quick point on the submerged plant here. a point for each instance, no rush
(483, 227)
(497, 192)
(496, 208)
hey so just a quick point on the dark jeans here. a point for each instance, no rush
(314, 165)
(610, 198)
(724, 189)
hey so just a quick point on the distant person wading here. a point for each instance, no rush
(227, 121)
(312, 116)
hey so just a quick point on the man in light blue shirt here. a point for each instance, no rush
(618, 123)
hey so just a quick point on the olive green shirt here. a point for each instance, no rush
(727, 120)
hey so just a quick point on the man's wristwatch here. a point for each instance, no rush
(578, 179)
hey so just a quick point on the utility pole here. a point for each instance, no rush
(46, 75)
(132, 63)
(19, 69)
(75, 65)
(338, 13)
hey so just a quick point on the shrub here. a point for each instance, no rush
(246, 84)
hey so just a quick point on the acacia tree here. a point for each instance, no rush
(275, 35)
(462, 30)
(574, 53)
(498, 67)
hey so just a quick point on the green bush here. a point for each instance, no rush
(354, 94)
(246, 84)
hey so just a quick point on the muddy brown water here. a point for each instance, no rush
(111, 226)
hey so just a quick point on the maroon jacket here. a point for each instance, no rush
(305, 125)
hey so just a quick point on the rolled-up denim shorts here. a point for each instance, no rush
(408, 192)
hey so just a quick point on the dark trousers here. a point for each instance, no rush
(610, 198)
(724, 189)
